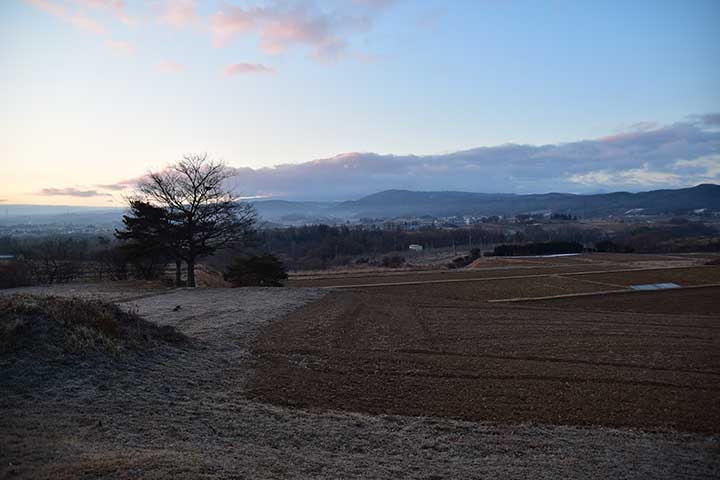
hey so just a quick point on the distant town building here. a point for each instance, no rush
(416, 247)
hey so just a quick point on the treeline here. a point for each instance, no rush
(70, 258)
(678, 235)
(83, 257)
(544, 248)
(320, 246)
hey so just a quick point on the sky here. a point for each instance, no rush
(334, 99)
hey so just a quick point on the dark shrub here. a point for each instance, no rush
(460, 262)
(15, 274)
(55, 259)
(393, 261)
(544, 248)
(257, 270)
(112, 263)
(611, 247)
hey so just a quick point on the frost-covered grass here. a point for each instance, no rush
(51, 326)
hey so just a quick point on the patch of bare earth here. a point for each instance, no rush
(197, 410)
(441, 351)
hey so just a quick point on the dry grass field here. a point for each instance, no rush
(412, 379)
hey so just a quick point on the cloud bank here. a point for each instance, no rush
(72, 192)
(649, 157)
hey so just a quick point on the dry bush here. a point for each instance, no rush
(393, 261)
(15, 273)
(52, 326)
(207, 277)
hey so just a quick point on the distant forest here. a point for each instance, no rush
(319, 246)
(73, 257)
(322, 246)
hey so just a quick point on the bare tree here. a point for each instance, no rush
(55, 260)
(204, 213)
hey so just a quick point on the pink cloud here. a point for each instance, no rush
(87, 23)
(120, 46)
(49, 6)
(180, 13)
(226, 25)
(80, 13)
(282, 25)
(375, 3)
(170, 66)
(325, 29)
(247, 68)
(71, 192)
(116, 8)
(126, 184)
(114, 4)
(74, 16)
(283, 30)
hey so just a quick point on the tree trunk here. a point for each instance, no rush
(178, 272)
(191, 273)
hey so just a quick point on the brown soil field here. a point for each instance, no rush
(704, 275)
(482, 291)
(585, 258)
(643, 257)
(486, 263)
(421, 381)
(452, 275)
(441, 350)
(612, 275)
(673, 304)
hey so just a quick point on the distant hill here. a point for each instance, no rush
(396, 203)
(393, 203)
(18, 214)
(288, 212)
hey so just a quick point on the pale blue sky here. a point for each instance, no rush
(81, 106)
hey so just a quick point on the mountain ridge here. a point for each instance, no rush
(397, 203)
(448, 203)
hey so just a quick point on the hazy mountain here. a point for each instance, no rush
(392, 203)
(18, 214)
(288, 212)
(395, 203)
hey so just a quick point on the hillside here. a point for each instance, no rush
(393, 203)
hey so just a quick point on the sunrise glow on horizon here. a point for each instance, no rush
(301, 96)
